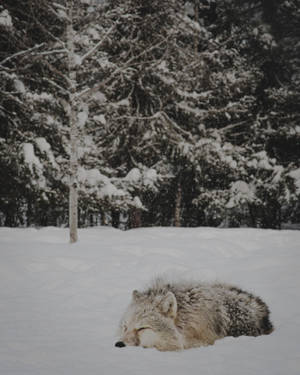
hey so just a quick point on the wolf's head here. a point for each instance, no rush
(150, 322)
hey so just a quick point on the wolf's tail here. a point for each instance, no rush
(266, 325)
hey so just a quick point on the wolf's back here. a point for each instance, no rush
(228, 310)
(246, 313)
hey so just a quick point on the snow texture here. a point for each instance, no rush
(61, 303)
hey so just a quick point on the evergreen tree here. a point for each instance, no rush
(186, 112)
(31, 132)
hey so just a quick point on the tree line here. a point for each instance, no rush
(185, 112)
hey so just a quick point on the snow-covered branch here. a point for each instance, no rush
(20, 53)
(90, 91)
(232, 126)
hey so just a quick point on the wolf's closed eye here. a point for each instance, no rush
(142, 329)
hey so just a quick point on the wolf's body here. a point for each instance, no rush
(175, 316)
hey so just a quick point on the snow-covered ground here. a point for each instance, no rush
(60, 304)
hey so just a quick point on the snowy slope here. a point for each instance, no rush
(61, 304)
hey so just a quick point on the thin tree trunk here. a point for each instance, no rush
(73, 193)
(135, 218)
(177, 216)
(115, 218)
(73, 215)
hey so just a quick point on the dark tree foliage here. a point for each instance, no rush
(189, 112)
(24, 75)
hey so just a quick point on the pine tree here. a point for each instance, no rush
(30, 130)
(185, 112)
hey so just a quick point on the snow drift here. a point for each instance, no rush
(61, 303)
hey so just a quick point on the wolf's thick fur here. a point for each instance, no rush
(175, 316)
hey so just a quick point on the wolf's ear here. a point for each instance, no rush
(169, 305)
(136, 295)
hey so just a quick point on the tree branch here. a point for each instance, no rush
(90, 91)
(21, 53)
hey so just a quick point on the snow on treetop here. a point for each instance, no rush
(295, 174)
(30, 157)
(110, 190)
(134, 175)
(122, 102)
(92, 176)
(45, 147)
(33, 163)
(5, 19)
(137, 202)
(297, 129)
(242, 192)
(99, 183)
(19, 86)
(82, 117)
(100, 118)
(150, 177)
(99, 97)
(93, 33)
(163, 66)
(44, 96)
(189, 9)
(263, 161)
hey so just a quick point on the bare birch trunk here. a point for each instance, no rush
(177, 216)
(73, 193)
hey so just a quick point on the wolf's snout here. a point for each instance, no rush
(120, 344)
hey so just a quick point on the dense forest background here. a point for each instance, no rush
(187, 112)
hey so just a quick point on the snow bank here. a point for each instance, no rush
(61, 303)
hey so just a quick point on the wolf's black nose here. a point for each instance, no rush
(120, 344)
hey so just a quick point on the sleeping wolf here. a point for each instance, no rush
(175, 316)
